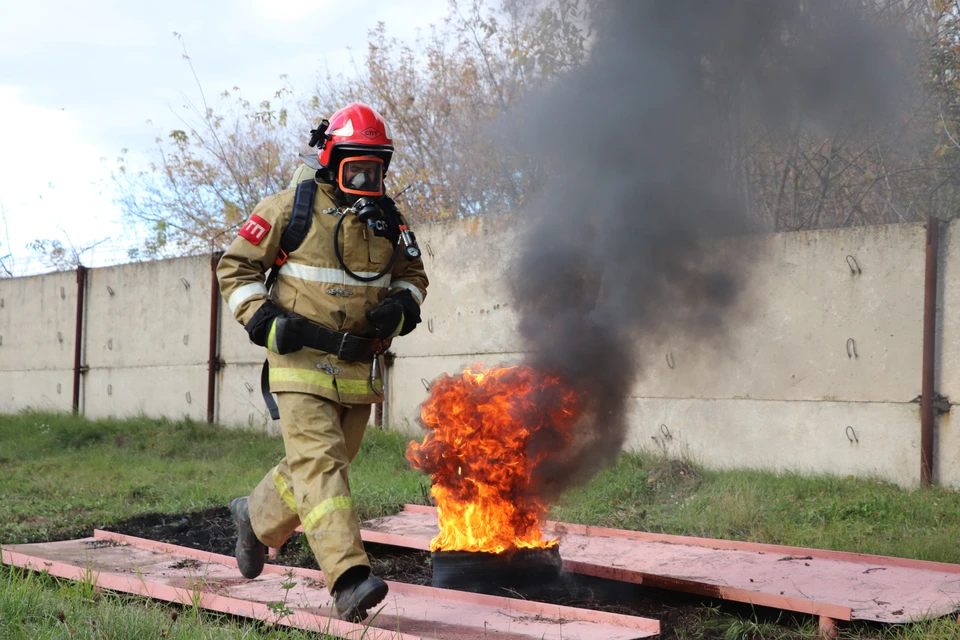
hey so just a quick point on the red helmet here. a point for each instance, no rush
(355, 130)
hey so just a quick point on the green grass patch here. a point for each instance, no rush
(35, 605)
(863, 515)
(61, 477)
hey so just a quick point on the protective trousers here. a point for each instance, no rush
(310, 486)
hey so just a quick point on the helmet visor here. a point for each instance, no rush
(362, 175)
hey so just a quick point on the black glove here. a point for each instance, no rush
(278, 330)
(261, 322)
(411, 310)
(386, 318)
(286, 334)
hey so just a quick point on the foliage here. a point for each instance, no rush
(208, 176)
(61, 258)
(446, 94)
(865, 173)
(438, 94)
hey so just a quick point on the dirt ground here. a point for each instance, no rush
(680, 615)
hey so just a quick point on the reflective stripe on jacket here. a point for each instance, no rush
(312, 284)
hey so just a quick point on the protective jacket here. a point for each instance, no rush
(313, 284)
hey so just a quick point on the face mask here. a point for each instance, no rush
(361, 176)
(358, 181)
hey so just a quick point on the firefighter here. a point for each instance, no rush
(332, 310)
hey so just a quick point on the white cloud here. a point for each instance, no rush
(79, 81)
(289, 13)
(53, 183)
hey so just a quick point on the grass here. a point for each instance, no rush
(62, 476)
(646, 493)
(36, 606)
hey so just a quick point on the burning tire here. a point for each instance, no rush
(495, 573)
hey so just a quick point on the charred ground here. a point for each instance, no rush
(680, 615)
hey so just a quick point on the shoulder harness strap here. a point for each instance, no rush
(298, 227)
(290, 241)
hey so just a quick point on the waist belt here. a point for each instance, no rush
(346, 346)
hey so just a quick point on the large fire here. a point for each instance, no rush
(488, 430)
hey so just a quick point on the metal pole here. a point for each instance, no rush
(213, 362)
(929, 352)
(78, 338)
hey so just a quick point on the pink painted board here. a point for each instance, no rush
(177, 574)
(827, 583)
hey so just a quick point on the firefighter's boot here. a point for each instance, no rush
(250, 551)
(356, 592)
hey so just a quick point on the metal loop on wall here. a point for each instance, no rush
(63, 293)
(430, 325)
(186, 285)
(426, 385)
(248, 386)
(670, 362)
(852, 348)
(110, 290)
(429, 250)
(665, 430)
(189, 398)
(854, 265)
(186, 338)
(852, 435)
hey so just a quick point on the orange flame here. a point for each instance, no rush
(479, 452)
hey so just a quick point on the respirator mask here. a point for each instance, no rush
(361, 176)
(361, 181)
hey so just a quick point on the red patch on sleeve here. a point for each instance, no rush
(254, 230)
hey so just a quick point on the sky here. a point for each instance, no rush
(79, 82)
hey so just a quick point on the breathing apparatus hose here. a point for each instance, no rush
(336, 251)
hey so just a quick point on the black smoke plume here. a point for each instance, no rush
(634, 237)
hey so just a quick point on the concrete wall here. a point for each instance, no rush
(239, 399)
(147, 339)
(37, 338)
(819, 373)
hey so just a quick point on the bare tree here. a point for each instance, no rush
(6, 261)
(445, 93)
(207, 177)
(865, 172)
(54, 254)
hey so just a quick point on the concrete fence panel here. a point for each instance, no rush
(818, 370)
(147, 338)
(828, 335)
(38, 320)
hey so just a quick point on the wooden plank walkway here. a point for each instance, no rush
(830, 584)
(178, 574)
